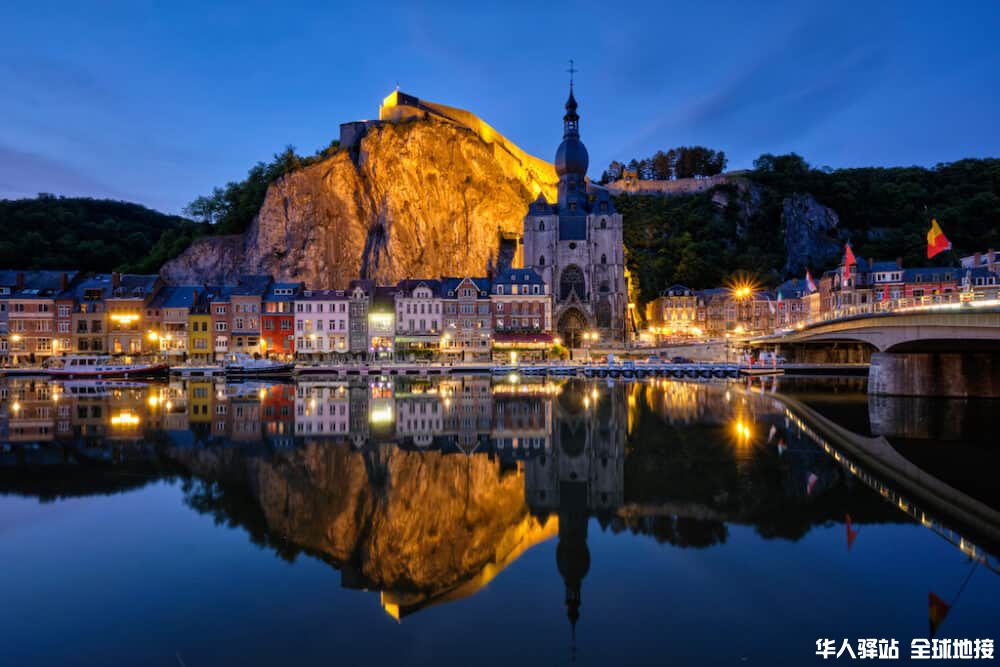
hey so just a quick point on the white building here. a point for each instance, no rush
(321, 323)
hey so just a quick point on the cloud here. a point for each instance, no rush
(818, 68)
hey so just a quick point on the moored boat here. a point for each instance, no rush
(238, 363)
(98, 366)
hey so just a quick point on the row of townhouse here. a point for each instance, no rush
(868, 286)
(46, 313)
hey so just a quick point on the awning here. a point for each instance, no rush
(522, 339)
(418, 339)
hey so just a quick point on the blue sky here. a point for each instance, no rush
(159, 102)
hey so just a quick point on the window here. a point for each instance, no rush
(604, 221)
(604, 259)
(541, 260)
(541, 226)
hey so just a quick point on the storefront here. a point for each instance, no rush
(417, 347)
(521, 347)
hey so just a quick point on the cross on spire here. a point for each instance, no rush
(572, 70)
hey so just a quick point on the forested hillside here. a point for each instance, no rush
(50, 232)
(883, 212)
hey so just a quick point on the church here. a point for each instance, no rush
(576, 246)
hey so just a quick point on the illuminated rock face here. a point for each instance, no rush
(426, 198)
(416, 524)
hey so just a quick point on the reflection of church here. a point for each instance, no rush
(582, 474)
(576, 245)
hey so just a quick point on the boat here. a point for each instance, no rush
(98, 366)
(239, 363)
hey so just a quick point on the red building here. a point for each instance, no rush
(278, 320)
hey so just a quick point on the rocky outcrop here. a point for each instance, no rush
(810, 233)
(424, 198)
(216, 259)
(418, 525)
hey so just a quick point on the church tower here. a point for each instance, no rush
(576, 246)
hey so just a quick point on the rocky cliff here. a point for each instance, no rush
(810, 233)
(416, 525)
(420, 198)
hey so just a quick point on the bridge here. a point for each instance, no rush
(948, 350)
(963, 520)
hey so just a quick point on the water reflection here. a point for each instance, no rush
(425, 490)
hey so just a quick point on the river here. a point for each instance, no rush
(472, 520)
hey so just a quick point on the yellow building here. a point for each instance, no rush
(199, 332)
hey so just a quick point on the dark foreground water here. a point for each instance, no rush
(472, 521)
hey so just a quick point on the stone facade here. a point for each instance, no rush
(576, 246)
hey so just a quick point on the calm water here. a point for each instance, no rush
(471, 521)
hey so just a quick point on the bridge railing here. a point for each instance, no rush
(950, 301)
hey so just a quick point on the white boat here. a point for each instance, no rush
(96, 366)
(238, 363)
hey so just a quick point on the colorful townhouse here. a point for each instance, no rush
(674, 312)
(468, 319)
(174, 304)
(31, 315)
(322, 325)
(419, 319)
(201, 335)
(521, 308)
(277, 320)
(359, 297)
(130, 315)
(382, 323)
(89, 316)
(218, 308)
(246, 300)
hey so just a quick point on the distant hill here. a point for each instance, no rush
(50, 232)
(785, 216)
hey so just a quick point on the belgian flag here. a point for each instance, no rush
(937, 242)
(937, 609)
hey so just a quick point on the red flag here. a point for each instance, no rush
(885, 293)
(937, 242)
(937, 609)
(851, 533)
(810, 283)
(849, 259)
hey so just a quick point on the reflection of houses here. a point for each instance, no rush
(419, 416)
(468, 412)
(322, 408)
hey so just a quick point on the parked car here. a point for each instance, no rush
(680, 360)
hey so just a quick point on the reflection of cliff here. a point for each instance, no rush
(432, 526)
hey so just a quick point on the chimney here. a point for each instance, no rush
(116, 279)
(977, 259)
(63, 282)
(194, 297)
(19, 280)
(899, 262)
(991, 257)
